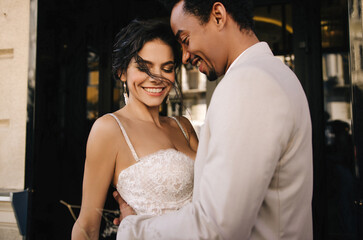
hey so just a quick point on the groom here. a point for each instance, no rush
(253, 170)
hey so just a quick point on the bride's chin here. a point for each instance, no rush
(153, 105)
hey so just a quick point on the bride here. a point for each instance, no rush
(149, 158)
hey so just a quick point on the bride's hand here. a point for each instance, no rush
(125, 209)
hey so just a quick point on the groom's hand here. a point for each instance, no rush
(125, 209)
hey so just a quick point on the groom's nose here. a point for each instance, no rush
(186, 56)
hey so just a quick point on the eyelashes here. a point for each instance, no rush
(168, 70)
(185, 41)
(141, 65)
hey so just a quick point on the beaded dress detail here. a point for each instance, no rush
(159, 182)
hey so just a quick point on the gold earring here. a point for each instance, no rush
(126, 97)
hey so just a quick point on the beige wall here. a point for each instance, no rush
(8, 226)
(14, 50)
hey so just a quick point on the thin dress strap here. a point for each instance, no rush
(126, 137)
(181, 127)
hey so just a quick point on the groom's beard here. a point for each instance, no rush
(212, 75)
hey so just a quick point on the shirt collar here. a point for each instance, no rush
(236, 60)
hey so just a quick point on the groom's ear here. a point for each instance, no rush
(218, 15)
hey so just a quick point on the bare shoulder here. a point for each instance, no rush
(188, 127)
(104, 134)
(105, 126)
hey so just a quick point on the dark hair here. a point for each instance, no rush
(131, 39)
(240, 10)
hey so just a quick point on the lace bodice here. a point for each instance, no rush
(158, 183)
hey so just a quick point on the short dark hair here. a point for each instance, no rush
(131, 39)
(240, 10)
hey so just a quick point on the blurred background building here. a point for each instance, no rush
(55, 81)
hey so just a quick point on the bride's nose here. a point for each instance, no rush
(155, 77)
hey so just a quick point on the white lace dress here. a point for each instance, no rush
(158, 183)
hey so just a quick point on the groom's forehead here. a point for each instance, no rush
(181, 20)
(177, 11)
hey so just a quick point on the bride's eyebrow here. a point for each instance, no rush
(140, 60)
(168, 63)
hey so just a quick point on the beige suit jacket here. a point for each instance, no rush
(253, 170)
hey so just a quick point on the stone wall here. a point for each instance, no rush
(14, 58)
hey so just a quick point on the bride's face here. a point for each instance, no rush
(150, 75)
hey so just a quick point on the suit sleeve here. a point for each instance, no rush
(249, 124)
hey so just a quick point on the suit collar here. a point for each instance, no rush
(256, 49)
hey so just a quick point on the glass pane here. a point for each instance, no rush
(334, 25)
(339, 151)
(355, 14)
(92, 85)
(273, 24)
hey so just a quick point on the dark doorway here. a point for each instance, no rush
(73, 87)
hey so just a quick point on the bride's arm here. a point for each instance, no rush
(98, 172)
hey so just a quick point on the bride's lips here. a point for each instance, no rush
(154, 91)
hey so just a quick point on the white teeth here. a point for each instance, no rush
(198, 63)
(153, 90)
